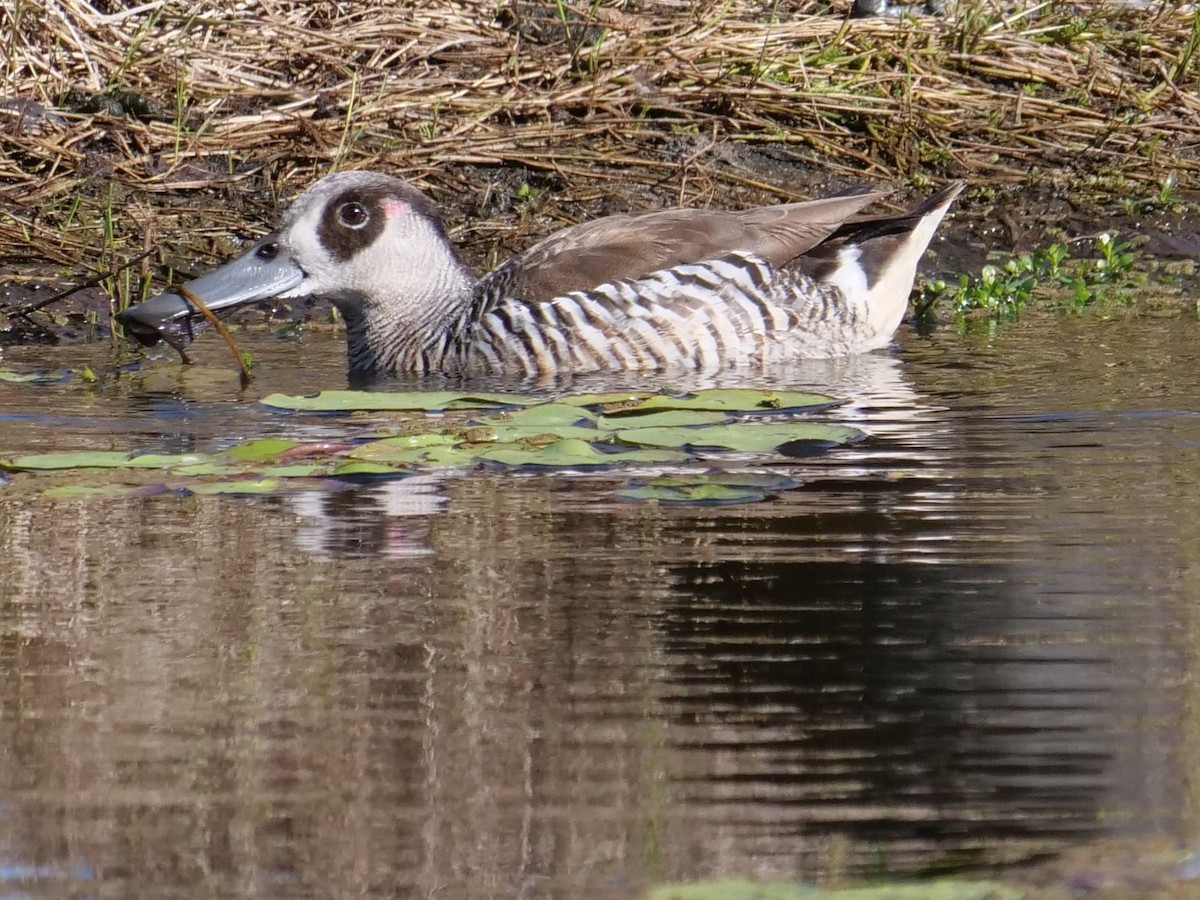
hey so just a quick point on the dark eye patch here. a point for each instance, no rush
(351, 222)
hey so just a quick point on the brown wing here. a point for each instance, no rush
(632, 246)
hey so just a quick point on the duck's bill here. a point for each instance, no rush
(255, 275)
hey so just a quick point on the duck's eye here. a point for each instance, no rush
(267, 252)
(353, 215)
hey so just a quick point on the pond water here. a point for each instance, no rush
(973, 637)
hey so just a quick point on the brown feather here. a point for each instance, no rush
(632, 246)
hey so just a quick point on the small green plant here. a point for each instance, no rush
(1002, 290)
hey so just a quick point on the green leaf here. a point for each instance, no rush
(709, 488)
(387, 448)
(544, 416)
(428, 401)
(261, 486)
(736, 400)
(745, 437)
(261, 450)
(550, 433)
(574, 453)
(364, 468)
(71, 459)
(163, 460)
(671, 418)
(632, 397)
(432, 457)
(207, 468)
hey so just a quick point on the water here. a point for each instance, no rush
(971, 638)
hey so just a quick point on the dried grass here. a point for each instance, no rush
(625, 104)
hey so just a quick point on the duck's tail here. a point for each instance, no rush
(873, 260)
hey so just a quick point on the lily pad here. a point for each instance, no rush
(261, 450)
(572, 453)
(708, 489)
(610, 399)
(245, 486)
(163, 460)
(435, 456)
(70, 459)
(374, 401)
(737, 400)
(545, 434)
(544, 416)
(671, 418)
(744, 437)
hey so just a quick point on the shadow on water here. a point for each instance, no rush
(966, 640)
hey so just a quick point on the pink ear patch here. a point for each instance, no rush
(393, 206)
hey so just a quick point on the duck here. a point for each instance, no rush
(674, 289)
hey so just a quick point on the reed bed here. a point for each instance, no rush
(153, 131)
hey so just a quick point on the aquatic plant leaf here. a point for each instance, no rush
(709, 488)
(745, 889)
(260, 450)
(610, 399)
(297, 470)
(745, 437)
(207, 468)
(55, 377)
(374, 401)
(434, 456)
(698, 494)
(737, 400)
(541, 435)
(574, 453)
(671, 418)
(246, 486)
(544, 416)
(164, 460)
(69, 459)
(387, 448)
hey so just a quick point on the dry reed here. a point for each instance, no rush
(210, 112)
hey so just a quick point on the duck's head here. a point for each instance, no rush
(369, 243)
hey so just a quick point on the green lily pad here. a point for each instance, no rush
(261, 450)
(364, 468)
(70, 459)
(207, 468)
(573, 453)
(736, 401)
(709, 489)
(542, 435)
(745, 437)
(163, 460)
(246, 486)
(434, 456)
(546, 415)
(374, 401)
(671, 418)
(610, 399)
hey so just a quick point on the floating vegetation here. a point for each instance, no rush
(1006, 288)
(680, 432)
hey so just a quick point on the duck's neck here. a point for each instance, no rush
(416, 331)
